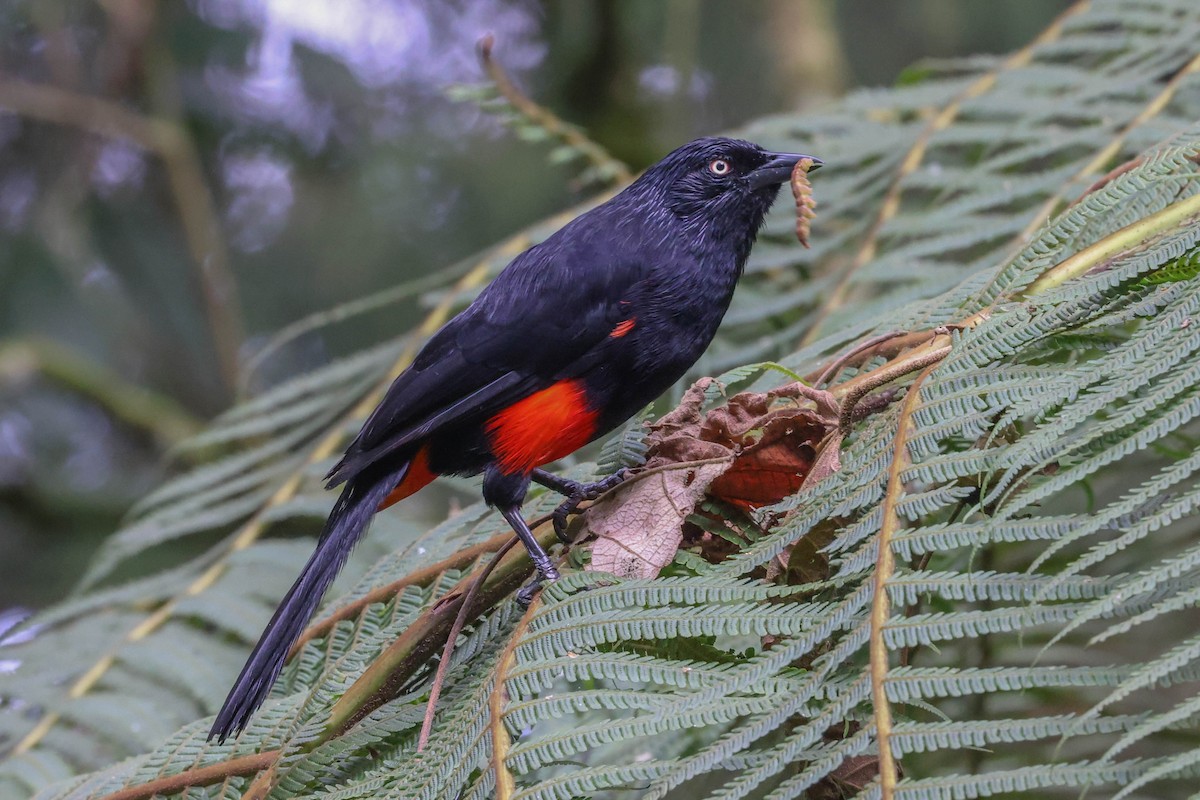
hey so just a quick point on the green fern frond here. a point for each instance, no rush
(1042, 515)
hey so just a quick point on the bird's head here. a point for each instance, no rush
(725, 185)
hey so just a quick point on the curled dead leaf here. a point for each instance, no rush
(772, 435)
(753, 451)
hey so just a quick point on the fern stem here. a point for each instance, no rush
(200, 776)
(407, 654)
(885, 374)
(858, 351)
(885, 565)
(460, 620)
(1128, 238)
(505, 786)
(422, 577)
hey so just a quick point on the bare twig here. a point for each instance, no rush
(600, 158)
(421, 577)
(839, 363)
(439, 678)
(392, 669)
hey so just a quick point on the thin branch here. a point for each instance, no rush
(383, 594)
(200, 776)
(839, 363)
(915, 156)
(600, 158)
(439, 678)
(185, 175)
(885, 565)
(388, 673)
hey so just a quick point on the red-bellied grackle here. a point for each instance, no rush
(576, 335)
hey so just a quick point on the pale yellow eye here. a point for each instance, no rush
(719, 166)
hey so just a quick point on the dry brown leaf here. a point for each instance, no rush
(829, 458)
(751, 452)
(806, 204)
(774, 439)
(640, 525)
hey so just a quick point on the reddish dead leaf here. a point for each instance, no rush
(773, 467)
(771, 436)
(806, 204)
(753, 451)
(774, 439)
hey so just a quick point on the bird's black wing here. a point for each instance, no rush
(540, 317)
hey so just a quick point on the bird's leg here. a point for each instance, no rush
(575, 492)
(545, 570)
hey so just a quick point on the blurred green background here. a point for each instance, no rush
(180, 180)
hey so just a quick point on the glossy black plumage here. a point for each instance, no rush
(619, 303)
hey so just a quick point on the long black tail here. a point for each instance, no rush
(347, 522)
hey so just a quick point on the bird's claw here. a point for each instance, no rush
(526, 593)
(579, 492)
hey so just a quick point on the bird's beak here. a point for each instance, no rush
(778, 169)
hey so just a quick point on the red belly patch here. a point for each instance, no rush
(543, 427)
(417, 478)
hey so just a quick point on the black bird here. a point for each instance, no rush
(576, 335)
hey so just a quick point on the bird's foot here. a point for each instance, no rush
(579, 492)
(544, 575)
